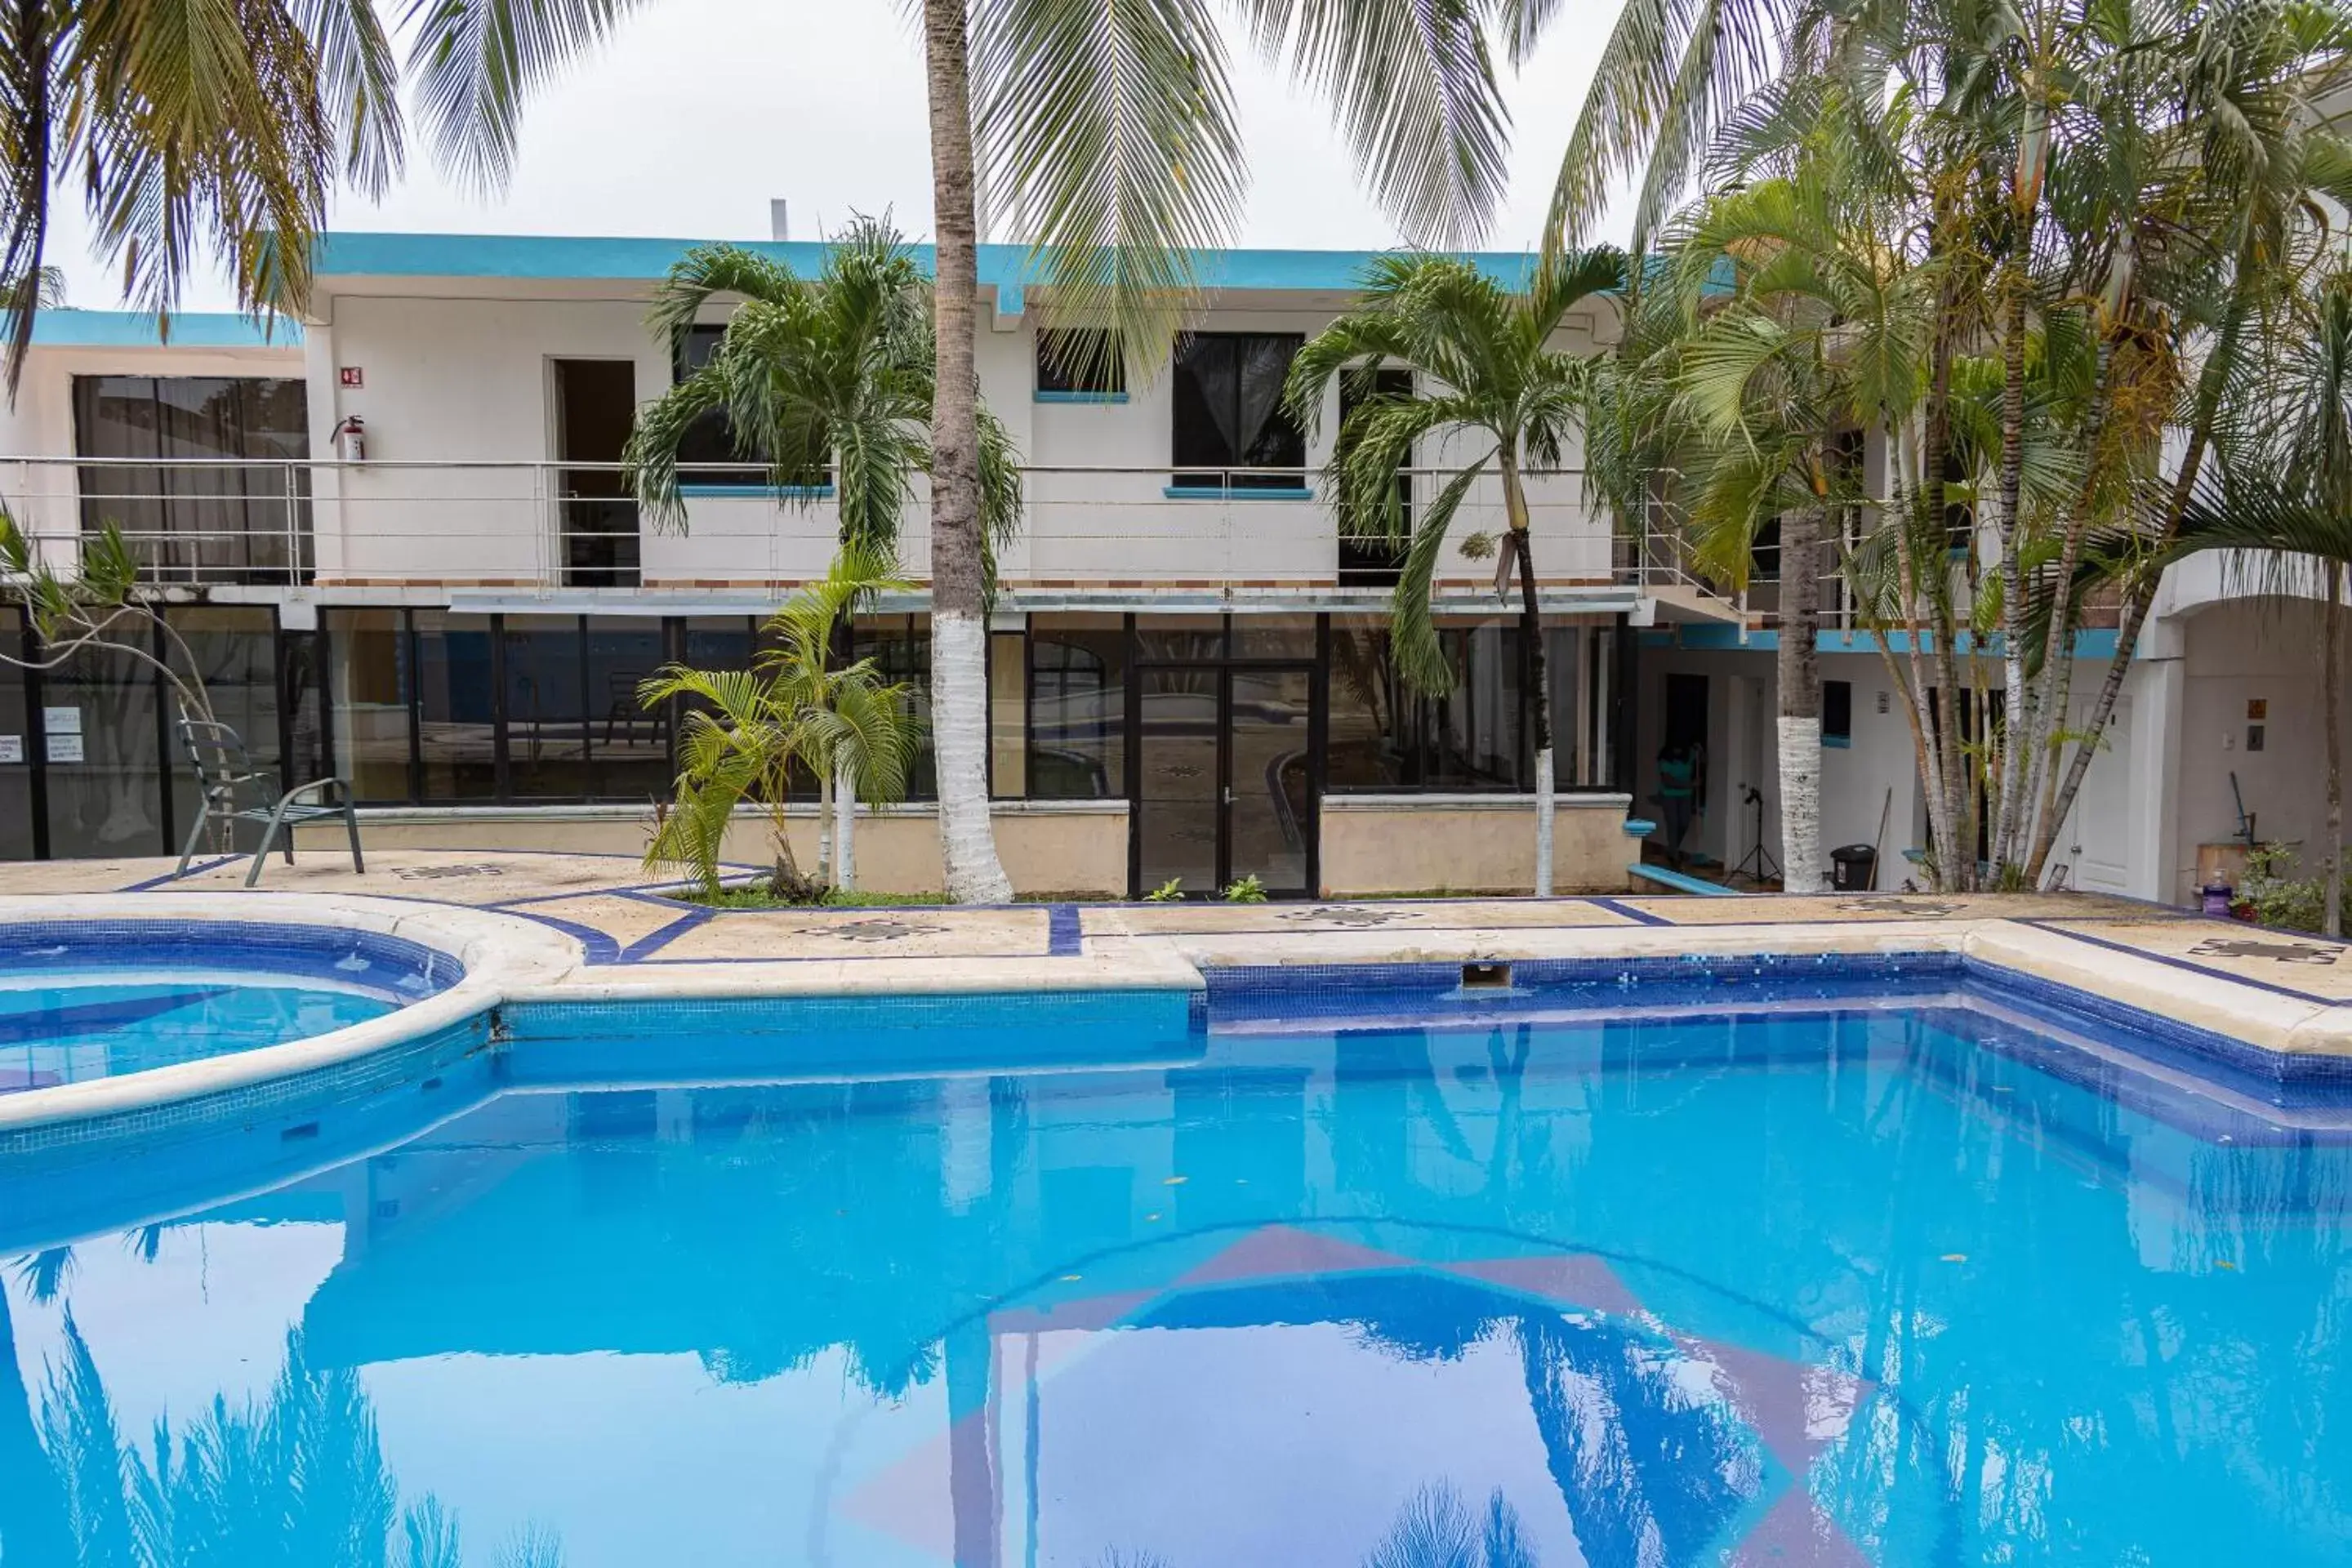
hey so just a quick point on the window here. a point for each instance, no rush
(900, 648)
(1080, 367)
(1078, 707)
(368, 653)
(711, 439)
(1230, 414)
(1383, 736)
(1837, 713)
(1373, 560)
(189, 516)
(456, 727)
(1008, 744)
(546, 719)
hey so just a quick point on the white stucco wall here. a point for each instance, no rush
(2235, 652)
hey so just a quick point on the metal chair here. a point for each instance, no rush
(228, 777)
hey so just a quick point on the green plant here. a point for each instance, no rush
(2275, 898)
(1248, 889)
(748, 733)
(1489, 383)
(1170, 892)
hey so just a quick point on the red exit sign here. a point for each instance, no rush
(353, 375)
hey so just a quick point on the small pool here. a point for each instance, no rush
(1891, 1272)
(90, 1000)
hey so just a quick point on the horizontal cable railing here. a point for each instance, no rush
(549, 526)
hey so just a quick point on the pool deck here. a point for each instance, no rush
(626, 939)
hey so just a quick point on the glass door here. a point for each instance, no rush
(1269, 818)
(1176, 807)
(1225, 786)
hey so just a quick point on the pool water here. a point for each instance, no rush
(1816, 1285)
(68, 1029)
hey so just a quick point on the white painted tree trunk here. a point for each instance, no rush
(1801, 804)
(959, 744)
(844, 829)
(825, 831)
(1543, 822)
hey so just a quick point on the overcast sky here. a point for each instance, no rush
(703, 110)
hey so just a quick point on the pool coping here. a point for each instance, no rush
(514, 957)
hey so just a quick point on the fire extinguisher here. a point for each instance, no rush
(351, 440)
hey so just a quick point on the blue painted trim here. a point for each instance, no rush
(781, 492)
(1006, 269)
(1219, 492)
(1704, 636)
(1043, 396)
(1063, 930)
(1837, 743)
(1682, 884)
(64, 329)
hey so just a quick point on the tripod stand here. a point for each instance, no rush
(1758, 865)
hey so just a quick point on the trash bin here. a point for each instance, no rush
(1852, 868)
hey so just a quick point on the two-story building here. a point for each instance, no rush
(408, 560)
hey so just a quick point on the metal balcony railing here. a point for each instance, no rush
(549, 526)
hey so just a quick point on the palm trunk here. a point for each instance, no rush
(2331, 920)
(2057, 684)
(1957, 866)
(958, 635)
(2006, 836)
(1924, 720)
(825, 776)
(844, 829)
(1798, 666)
(1515, 502)
(2141, 595)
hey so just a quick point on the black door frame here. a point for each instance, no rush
(1316, 669)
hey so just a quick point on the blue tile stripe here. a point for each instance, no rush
(1064, 932)
(1639, 916)
(195, 868)
(654, 941)
(391, 966)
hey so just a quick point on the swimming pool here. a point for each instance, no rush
(83, 1000)
(1830, 1267)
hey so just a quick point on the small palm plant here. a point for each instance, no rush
(749, 734)
(1492, 382)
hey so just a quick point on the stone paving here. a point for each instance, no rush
(625, 922)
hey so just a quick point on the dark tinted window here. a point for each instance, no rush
(1229, 411)
(210, 494)
(1080, 363)
(710, 438)
(1837, 712)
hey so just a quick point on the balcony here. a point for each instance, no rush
(545, 528)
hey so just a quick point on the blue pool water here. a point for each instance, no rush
(1873, 1278)
(87, 999)
(100, 1025)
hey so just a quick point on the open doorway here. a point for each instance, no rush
(595, 402)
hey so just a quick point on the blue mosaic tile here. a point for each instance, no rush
(391, 967)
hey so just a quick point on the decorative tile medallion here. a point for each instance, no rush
(448, 873)
(1347, 916)
(877, 930)
(2283, 951)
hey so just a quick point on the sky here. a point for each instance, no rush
(701, 111)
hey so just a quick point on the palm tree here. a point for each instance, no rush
(218, 128)
(749, 734)
(823, 382)
(1493, 379)
(2287, 510)
(1106, 135)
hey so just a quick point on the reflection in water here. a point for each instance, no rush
(296, 1478)
(1434, 1529)
(1831, 1288)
